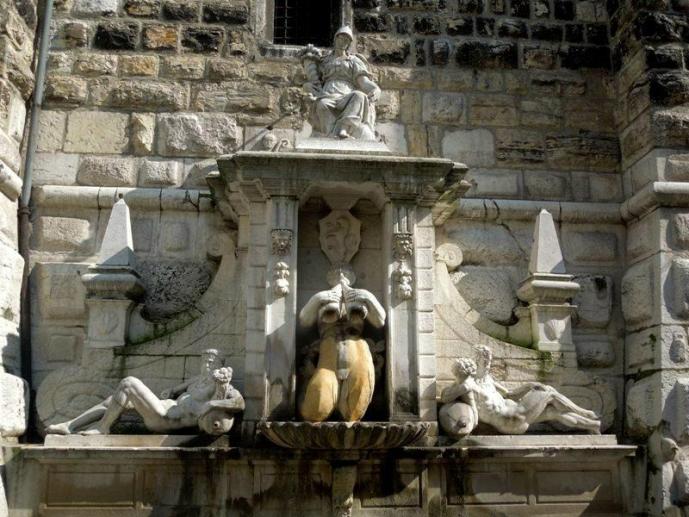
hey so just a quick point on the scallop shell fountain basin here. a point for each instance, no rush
(344, 435)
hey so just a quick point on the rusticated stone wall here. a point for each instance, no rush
(17, 28)
(500, 86)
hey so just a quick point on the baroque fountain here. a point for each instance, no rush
(344, 284)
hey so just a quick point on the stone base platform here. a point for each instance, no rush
(346, 146)
(528, 475)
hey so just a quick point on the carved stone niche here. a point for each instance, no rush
(270, 196)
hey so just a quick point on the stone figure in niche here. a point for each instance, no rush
(344, 378)
(509, 412)
(343, 90)
(207, 401)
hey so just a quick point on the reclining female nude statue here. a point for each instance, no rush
(345, 376)
(207, 401)
(342, 87)
(476, 397)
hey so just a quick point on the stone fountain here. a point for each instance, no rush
(307, 237)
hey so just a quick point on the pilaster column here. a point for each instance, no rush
(281, 308)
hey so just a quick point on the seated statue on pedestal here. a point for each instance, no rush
(345, 375)
(207, 401)
(342, 87)
(476, 397)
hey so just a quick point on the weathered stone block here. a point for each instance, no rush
(61, 89)
(61, 348)
(202, 39)
(386, 50)
(187, 11)
(492, 110)
(484, 244)
(576, 57)
(411, 78)
(147, 95)
(443, 108)
(584, 152)
(106, 171)
(638, 294)
(239, 97)
(644, 406)
(116, 36)
(488, 290)
(474, 147)
(139, 65)
(427, 25)
(71, 34)
(595, 352)
(183, 67)
(63, 234)
(511, 28)
(520, 8)
(95, 64)
(547, 32)
(96, 132)
(480, 54)
(160, 173)
(669, 88)
(677, 167)
(543, 112)
(143, 130)
(11, 269)
(142, 8)
(55, 169)
(14, 404)
(680, 287)
(223, 69)
(519, 147)
(462, 26)
(394, 136)
(546, 185)
(371, 21)
(677, 412)
(160, 37)
(51, 130)
(95, 7)
(670, 127)
(539, 57)
(202, 134)
(593, 301)
(60, 290)
(221, 12)
(486, 183)
(589, 247)
(680, 231)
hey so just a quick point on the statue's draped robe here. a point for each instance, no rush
(353, 112)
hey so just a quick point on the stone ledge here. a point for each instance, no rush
(135, 440)
(60, 196)
(526, 210)
(546, 447)
(655, 195)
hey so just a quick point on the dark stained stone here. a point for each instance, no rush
(116, 36)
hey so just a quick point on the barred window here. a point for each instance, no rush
(300, 22)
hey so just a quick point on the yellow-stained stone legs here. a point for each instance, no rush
(352, 395)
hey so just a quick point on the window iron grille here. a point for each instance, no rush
(300, 22)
